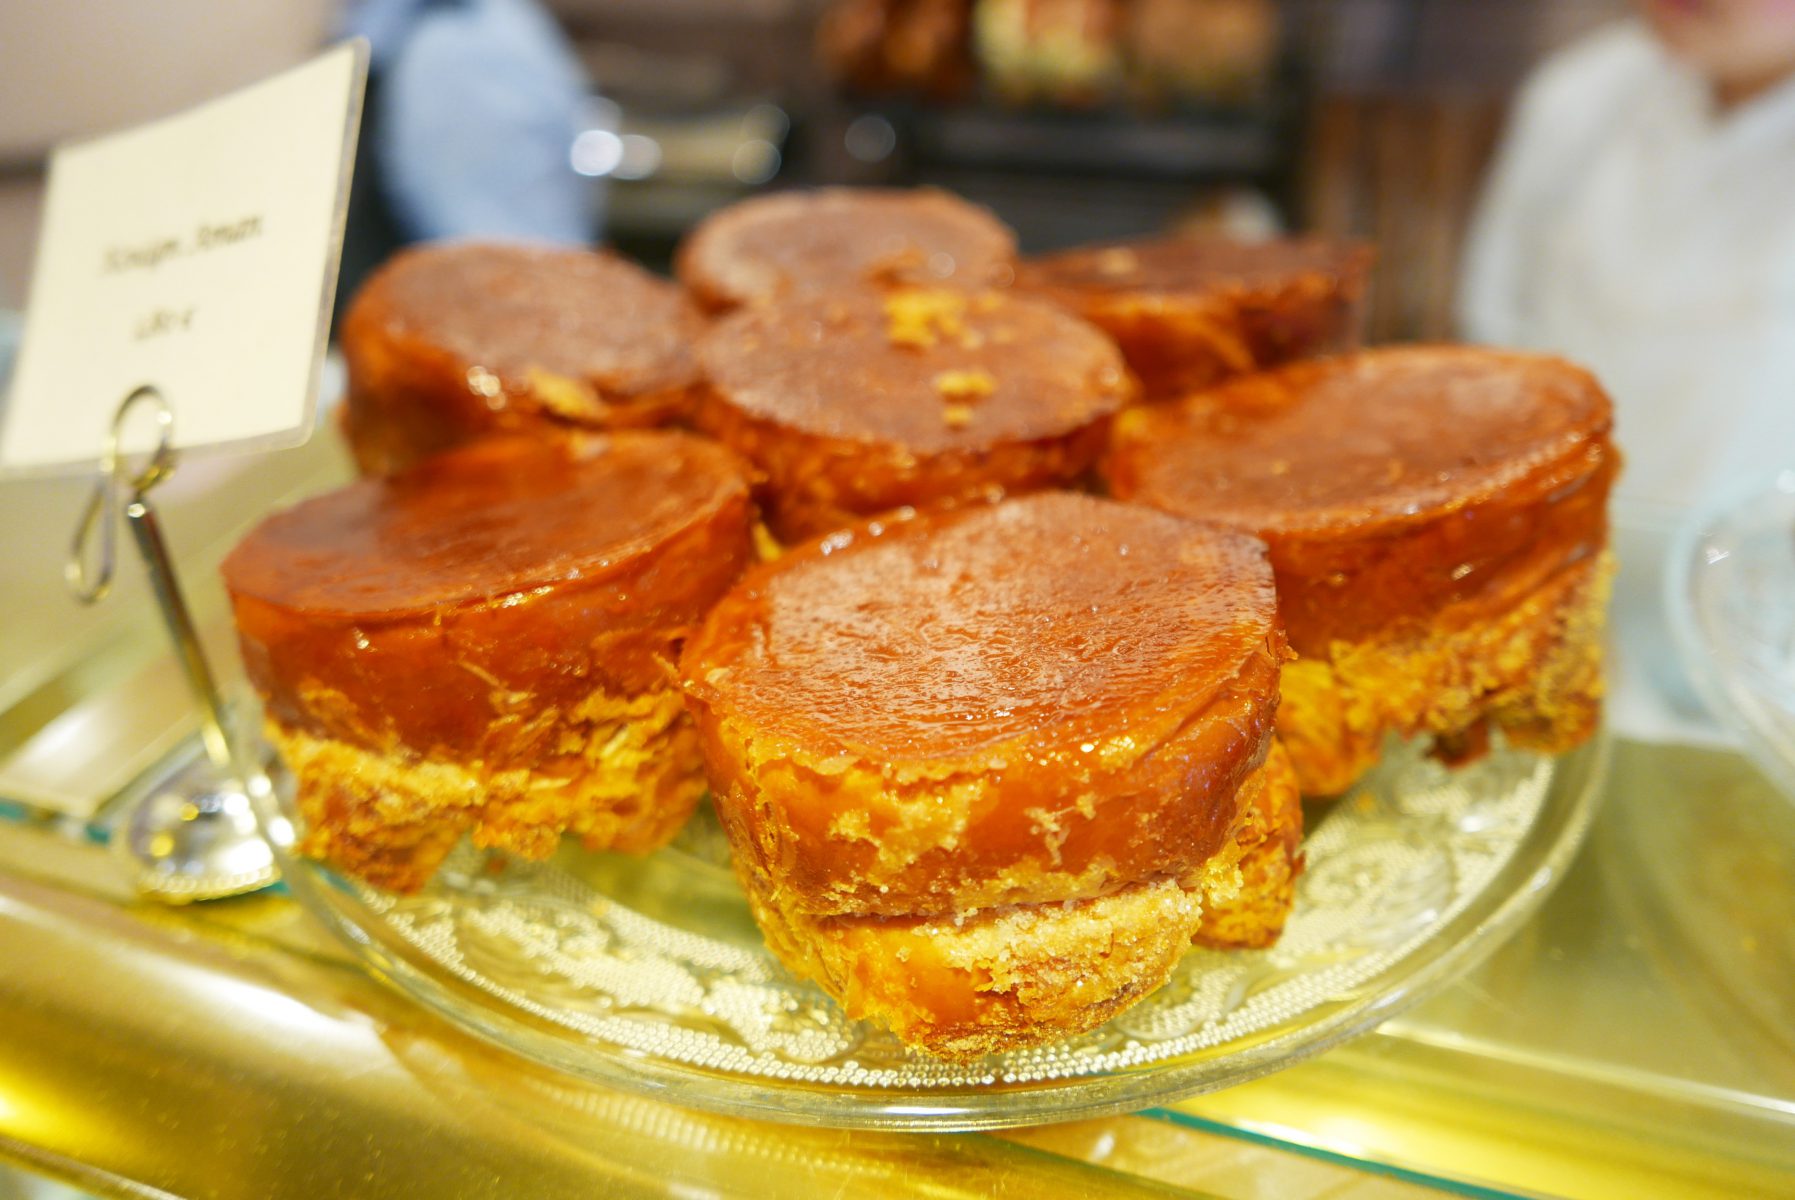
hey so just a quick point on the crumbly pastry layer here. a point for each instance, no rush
(454, 341)
(621, 773)
(1008, 977)
(1189, 313)
(1000, 980)
(775, 247)
(1266, 846)
(853, 405)
(1529, 665)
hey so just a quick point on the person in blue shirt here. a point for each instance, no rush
(472, 110)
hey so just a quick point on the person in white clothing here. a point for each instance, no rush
(1640, 219)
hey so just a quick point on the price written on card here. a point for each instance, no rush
(196, 254)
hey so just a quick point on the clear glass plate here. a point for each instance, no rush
(1730, 591)
(648, 974)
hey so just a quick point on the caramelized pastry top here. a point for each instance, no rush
(1389, 484)
(1380, 438)
(498, 518)
(775, 246)
(931, 370)
(1032, 622)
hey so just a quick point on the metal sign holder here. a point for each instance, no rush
(194, 838)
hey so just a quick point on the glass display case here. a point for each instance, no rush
(1635, 1037)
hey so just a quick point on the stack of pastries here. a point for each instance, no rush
(991, 750)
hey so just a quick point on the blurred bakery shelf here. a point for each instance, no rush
(1224, 144)
(693, 81)
(1371, 119)
(668, 169)
(1059, 178)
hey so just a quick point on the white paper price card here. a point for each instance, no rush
(197, 254)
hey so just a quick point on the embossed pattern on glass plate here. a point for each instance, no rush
(648, 972)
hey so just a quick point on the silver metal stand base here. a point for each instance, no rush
(194, 837)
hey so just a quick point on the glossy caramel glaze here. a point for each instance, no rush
(487, 641)
(1190, 312)
(773, 247)
(846, 367)
(539, 565)
(452, 341)
(1388, 483)
(502, 517)
(854, 404)
(1038, 700)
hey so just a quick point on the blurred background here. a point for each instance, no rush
(1075, 119)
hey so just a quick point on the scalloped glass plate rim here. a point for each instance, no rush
(1515, 890)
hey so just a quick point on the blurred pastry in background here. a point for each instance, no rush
(1210, 50)
(788, 243)
(1189, 312)
(1065, 52)
(458, 340)
(484, 645)
(916, 46)
(1061, 53)
(986, 773)
(1438, 525)
(856, 403)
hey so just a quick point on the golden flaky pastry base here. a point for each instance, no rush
(1025, 975)
(1529, 666)
(627, 777)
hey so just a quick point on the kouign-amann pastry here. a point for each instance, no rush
(457, 340)
(1190, 312)
(987, 772)
(1437, 518)
(789, 243)
(857, 403)
(484, 644)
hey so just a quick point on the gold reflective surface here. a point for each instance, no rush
(1636, 1039)
(226, 1051)
(1632, 1041)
